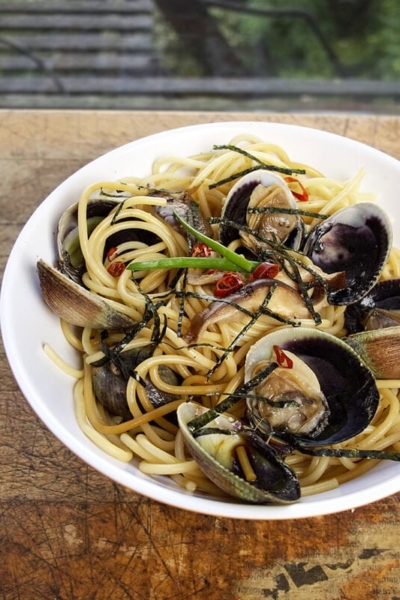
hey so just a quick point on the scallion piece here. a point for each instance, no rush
(189, 262)
(241, 263)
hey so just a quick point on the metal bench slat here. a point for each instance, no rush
(78, 6)
(87, 41)
(76, 22)
(78, 62)
(173, 86)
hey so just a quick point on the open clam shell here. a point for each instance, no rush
(356, 240)
(378, 309)
(76, 305)
(345, 381)
(214, 453)
(261, 190)
(379, 349)
(72, 262)
(110, 381)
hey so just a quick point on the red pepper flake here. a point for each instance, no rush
(112, 253)
(116, 268)
(282, 359)
(229, 283)
(303, 195)
(201, 249)
(265, 270)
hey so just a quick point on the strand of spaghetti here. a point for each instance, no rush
(316, 470)
(387, 384)
(362, 467)
(320, 487)
(167, 464)
(100, 440)
(136, 448)
(198, 390)
(347, 463)
(61, 364)
(139, 421)
(158, 453)
(193, 354)
(70, 336)
(349, 187)
(168, 469)
(382, 428)
(90, 342)
(177, 162)
(156, 440)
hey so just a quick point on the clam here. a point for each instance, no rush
(378, 309)
(110, 380)
(379, 349)
(257, 191)
(182, 204)
(373, 325)
(321, 391)
(260, 477)
(71, 260)
(76, 305)
(357, 240)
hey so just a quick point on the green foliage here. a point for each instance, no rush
(363, 35)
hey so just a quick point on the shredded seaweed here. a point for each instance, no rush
(260, 165)
(241, 334)
(116, 214)
(286, 211)
(240, 393)
(213, 299)
(346, 453)
(213, 431)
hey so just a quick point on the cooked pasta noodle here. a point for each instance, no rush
(149, 435)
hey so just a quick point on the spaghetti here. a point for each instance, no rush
(164, 302)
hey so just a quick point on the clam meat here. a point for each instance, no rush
(261, 202)
(322, 392)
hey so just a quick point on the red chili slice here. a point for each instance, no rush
(112, 253)
(201, 249)
(282, 359)
(116, 268)
(265, 270)
(303, 195)
(229, 283)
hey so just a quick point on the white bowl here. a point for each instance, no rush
(27, 323)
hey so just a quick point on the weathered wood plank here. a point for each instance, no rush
(76, 22)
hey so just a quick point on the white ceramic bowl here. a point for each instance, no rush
(49, 391)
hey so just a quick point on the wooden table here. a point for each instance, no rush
(67, 532)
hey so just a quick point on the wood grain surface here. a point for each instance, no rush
(67, 532)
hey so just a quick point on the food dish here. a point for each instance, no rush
(116, 164)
